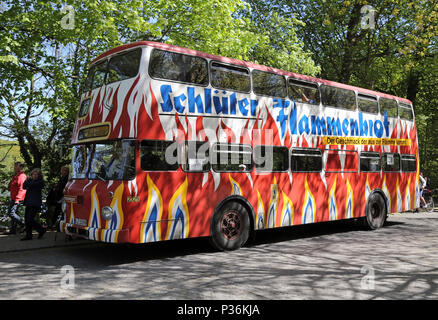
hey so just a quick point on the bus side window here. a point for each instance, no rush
(405, 112)
(338, 97)
(234, 78)
(227, 157)
(391, 162)
(409, 163)
(123, 66)
(271, 158)
(370, 162)
(196, 156)
(389, 106)
(268, 84)
(306, 160)
(367, 103)
(98, 75)
(303, 92)
(159, 155)
(178, 67)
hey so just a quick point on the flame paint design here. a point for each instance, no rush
(273, 204)
(94, 219)
(332, 204)
(408, 195)
(260, 219)
(349, 205)
(367, 189)
(309, 205)
(399, 196)
(113, 226)
(387, 194)
(235, 187)
(178, 214)
(287, 214)
(150, 225)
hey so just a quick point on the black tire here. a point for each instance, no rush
(230, 227)
(375, 211)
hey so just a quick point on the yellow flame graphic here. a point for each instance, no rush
(287, 214)
(235, 187)
(178, 214)
(150, 225)
(260, 219)
(309, 205)
(349, 205)
(332, 204)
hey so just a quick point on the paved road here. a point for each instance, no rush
(324, 261)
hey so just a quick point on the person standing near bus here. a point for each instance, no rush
(422, 186)
(17, 194)
(33, 202)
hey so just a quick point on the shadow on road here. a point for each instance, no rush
(101, 255)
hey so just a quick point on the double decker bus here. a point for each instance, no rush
(172, 143)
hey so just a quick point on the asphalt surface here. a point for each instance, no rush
(336, 260)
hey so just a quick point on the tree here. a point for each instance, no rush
(45, 48)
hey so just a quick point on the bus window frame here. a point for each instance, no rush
(308, 155)
(184, 157)
(111, 141)
(411, 156)
(304, 81)
(339, 108)
(400, 105)
(380, 109)
(87, 145)
(368, 96)
(400, 165)
(155, 140)
(368, 157)
(142, 52)
(343, 171)
(264, 95)
(210, 67)
(177, 81)
(273, 147)
(213, 150)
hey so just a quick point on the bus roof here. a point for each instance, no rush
(169, 47)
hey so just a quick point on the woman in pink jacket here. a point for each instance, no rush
(17, 195)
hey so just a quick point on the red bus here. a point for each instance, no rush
(173, 143)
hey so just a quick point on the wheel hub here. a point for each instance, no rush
(231, 225)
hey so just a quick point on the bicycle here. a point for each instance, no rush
(427, 196)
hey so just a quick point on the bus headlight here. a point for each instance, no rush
(107, 213)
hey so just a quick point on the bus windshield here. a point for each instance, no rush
(113, 160)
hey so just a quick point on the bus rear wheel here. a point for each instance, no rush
(375, 212)
(230, 227)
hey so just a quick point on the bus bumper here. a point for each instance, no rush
(97, 234)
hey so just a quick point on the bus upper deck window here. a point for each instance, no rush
(98, 74)
(123, 66)
(178, 67)
(268, 84)
(338, 97)
(367, 103)
(230, 77)
(304, 92)
(405, 111)
(389, 106)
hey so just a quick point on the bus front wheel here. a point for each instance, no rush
(375, 215)
(230, 226)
